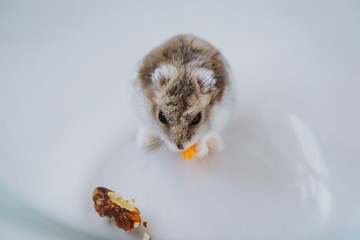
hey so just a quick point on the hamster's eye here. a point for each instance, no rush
(162, 118)
(196, 119)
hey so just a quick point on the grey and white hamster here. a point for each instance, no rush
(183, 95)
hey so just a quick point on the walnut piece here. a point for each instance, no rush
(109, 203)
(145, 224)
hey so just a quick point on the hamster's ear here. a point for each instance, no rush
(205, 78)
(164, 74)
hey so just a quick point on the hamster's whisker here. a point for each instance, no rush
(204, 162)
(155, 144)
(158, 150)
(187, 164)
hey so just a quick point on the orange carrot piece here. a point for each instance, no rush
(189, 153)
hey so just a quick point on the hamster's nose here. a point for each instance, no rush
(180, 146)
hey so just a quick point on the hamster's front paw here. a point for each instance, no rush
(215, 143)
(202, 149)
(145, 138)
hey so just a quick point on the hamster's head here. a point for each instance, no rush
(182, 102)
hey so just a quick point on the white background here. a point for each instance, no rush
(290, 166)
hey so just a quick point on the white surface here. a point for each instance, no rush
(290, 166)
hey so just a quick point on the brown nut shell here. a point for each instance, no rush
(126, 215)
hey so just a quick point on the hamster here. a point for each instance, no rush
(183, 95)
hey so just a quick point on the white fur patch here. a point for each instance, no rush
(163, 74)
(206, 78)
